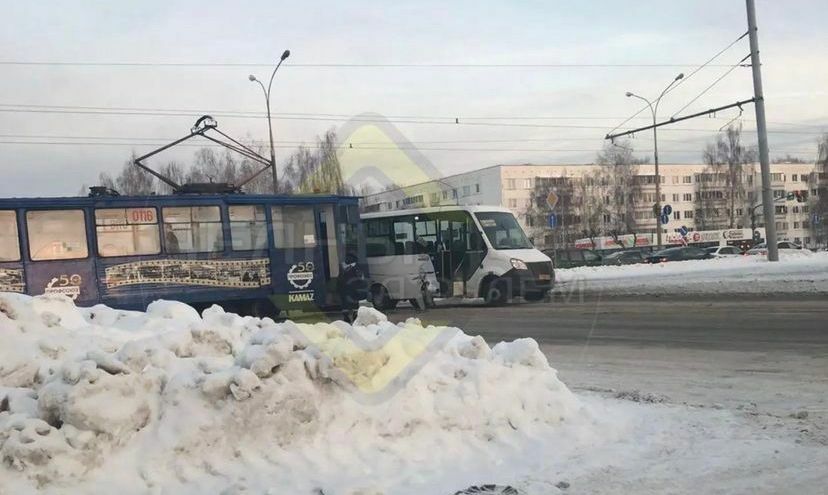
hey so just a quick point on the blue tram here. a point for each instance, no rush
(256, 254)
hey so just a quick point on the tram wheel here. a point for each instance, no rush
(262, 308)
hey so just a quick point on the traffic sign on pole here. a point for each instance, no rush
(683, 230)
(665, 219)
(668, 210)
(552, 199)
(552, 220)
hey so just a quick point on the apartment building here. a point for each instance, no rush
(697, 196)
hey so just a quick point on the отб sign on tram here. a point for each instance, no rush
(243, 251)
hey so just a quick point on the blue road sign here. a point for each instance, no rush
(668, 210)
(552, 220)
(665, 219)
(683, 230)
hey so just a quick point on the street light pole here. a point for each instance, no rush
(654, 110)
(266, 92)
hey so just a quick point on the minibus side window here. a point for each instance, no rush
(378, 240)
(9, 241)
(56, 234)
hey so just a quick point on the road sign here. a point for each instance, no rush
(665, 219)
(683, 230)
(552, 220)
(668, 210)
(552, 199)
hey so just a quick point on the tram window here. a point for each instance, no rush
(192, 229)
(9, 242)
(56, 234)
(127, 231)
(293, 227)
(248, 228)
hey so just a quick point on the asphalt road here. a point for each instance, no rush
(764, 354)
(741, 323)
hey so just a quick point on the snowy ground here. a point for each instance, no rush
(102, 401)
(796, 272)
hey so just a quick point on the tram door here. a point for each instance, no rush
(297, 265)
(329, 250)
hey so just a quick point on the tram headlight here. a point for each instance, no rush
(518, 264)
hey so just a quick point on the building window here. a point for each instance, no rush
(434, 198)
(445, 194)
(510, 183)
(9, 241)
(795, 178)
(477, 188)
(675, 179)
(57, 234)
(466, 190)
(248, 227)
(677, 215)
(687, 179)
(676, 198)
(796, 225)
(795, 209)
(127, 231)
(193, 229)
(778, 177)
(688, 213)
(688, 197)
(781, 210)
(527, 183)
(513, 203)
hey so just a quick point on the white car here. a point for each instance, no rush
(724, 251)
(762, 248)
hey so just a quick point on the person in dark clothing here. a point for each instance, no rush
(351, 287)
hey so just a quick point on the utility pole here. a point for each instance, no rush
(762, 131)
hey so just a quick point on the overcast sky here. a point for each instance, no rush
(793, 41)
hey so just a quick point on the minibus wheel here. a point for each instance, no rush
(496, 292)
(380, 298)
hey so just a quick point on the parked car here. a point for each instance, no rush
(571, 258)
(762, 248)
(724, 251)
(629, 257)
(684, 253)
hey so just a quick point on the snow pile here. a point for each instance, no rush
(97, 400)
(796, 272)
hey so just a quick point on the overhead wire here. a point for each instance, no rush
(707, 63)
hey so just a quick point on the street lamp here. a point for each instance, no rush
(654, 110)
(252, 78)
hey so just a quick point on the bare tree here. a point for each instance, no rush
(307, 170)
(722, 185)
(617, 173)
